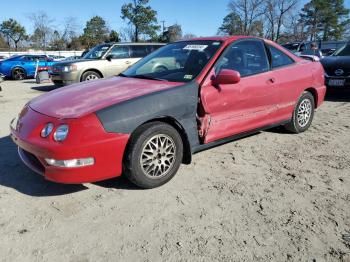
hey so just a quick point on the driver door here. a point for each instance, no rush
(232, 109)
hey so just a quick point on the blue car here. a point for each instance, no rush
(20, 67)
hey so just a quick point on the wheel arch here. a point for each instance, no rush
(93, 70)
(18, 67)
(314, 93)
(187, 153)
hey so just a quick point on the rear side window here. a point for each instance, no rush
(138, 51)
(29, 58)
(278, 58)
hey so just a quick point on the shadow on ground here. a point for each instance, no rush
(14, 174)
(44, 88)
(338, 95)
(117, 183)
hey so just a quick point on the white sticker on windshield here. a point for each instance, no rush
(189, 77)
(195, 47)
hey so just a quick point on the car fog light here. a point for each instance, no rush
(61, 133)
(80, 162)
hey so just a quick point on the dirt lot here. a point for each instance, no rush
(269, 197)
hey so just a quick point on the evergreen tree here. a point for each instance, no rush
(142, 17)
(325, 19)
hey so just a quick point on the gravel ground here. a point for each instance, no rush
(273, 196)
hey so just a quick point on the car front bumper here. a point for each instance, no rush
(62, 78)
(106, 149)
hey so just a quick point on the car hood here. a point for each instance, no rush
(80, 99)
(333, 63)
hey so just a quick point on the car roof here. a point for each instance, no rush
(221, 38)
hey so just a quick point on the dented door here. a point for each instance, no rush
(231, 109)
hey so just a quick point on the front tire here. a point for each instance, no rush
(90, 76)
(154, 155)
(303, 114)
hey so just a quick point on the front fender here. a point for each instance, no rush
(179, 103)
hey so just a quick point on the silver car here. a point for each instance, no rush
(102, 61)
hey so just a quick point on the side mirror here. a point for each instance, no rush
(226, 77)
(109, 57)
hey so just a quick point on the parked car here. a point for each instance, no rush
(145, 123)
(57, 57)
(20, 67)
(329, 47)
(3, 57)
(102, 61)
(71, 58)
(304, 48)
(337, 67)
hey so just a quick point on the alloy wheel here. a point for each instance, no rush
(304, 112)
(158, 156)
(91, 77)
(18, 74)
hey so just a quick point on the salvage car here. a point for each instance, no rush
(20, 67)
(337, 68)
(145, 123)
(102, 61)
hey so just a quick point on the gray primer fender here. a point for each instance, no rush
(179, 103)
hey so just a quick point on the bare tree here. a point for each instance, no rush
(249, 13)
(173, 33)
(127, 34)
(42, 25)
(275, 12)
(70, 28)
(295, 29)
(188, 36)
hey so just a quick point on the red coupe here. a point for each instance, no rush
(145, 122)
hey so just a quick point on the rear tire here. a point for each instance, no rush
(154, 155)
(90, 76)
(18, 74)
(303, 114)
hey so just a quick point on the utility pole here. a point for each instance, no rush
(163, 22)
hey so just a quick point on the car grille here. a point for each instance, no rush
(331, 72)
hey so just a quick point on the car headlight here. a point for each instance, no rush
(61, 133)
(70, 68)
(46, 131)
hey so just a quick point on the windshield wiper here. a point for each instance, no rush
(148, 77)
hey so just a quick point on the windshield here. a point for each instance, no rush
(343, 51)
(97, 52)
(177, 62)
